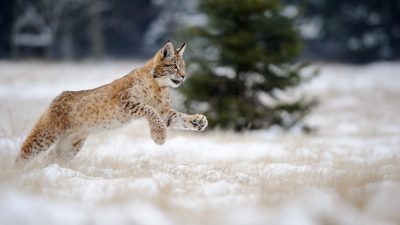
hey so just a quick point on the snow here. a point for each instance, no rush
(347, 172)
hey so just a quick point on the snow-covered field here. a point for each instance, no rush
(348, 172)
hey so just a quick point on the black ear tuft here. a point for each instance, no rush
(181, 49)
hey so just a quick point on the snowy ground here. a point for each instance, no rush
(348, 172)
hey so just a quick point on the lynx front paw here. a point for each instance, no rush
(199, 122)
(159, 134)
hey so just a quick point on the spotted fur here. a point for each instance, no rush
(143, 93)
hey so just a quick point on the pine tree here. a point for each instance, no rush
(239, 60)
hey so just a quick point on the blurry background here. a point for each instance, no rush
(346, 31)
(318, 81)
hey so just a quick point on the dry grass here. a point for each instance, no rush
(346, 173)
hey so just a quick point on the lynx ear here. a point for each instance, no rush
(181, 49)
(168, 50)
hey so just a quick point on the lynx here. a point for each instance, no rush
(142, 93)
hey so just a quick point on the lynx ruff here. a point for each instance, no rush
(143, 93)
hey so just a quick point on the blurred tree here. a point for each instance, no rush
(125, 25)
(6, 17)
(71, 29)
(167, 23)
(60, 27)
(353, 30)
(238, 74)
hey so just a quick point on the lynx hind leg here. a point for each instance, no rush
(53, 123)
(41, 138)
(67, 148)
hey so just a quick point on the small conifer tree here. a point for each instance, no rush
(239, 65)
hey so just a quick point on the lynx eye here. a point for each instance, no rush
(176, 66)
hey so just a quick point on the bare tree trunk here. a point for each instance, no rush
(67, 45)
(14, 48)
(95, 30)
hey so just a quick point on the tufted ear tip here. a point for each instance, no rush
(181, 49)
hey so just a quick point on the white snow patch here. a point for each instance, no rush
(350, 167)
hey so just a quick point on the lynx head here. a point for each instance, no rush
(169, 67)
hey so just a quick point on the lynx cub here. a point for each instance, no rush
(143, 93)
